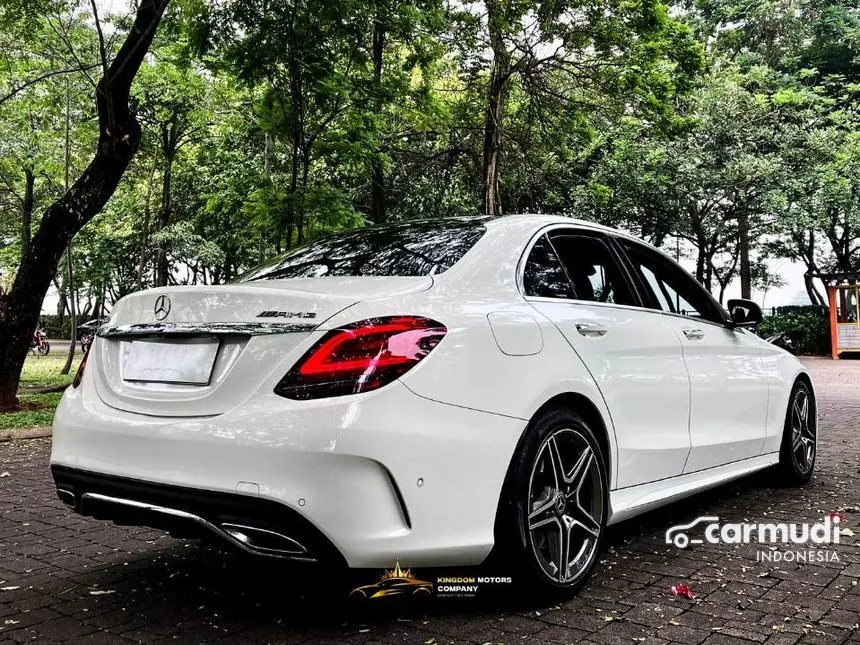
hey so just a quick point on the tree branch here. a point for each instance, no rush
(43, 77)
(102, 50)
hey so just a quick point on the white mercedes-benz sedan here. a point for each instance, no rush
(430, 392)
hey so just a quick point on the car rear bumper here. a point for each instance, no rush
(257, 526)
(363, 480)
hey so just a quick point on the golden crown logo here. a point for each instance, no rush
(397, 572)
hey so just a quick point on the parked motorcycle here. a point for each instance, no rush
(87, 340)
(87, 332)
(39, 344)
(782, 340)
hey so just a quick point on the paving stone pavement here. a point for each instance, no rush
(64, 578)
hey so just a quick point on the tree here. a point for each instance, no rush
(119, 137)
(713, 183)
(810, 47)
(580, 57)
(171, 96)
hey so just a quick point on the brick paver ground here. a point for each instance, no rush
(64, 578)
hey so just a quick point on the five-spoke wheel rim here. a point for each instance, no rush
(803, 430)
(565, 505)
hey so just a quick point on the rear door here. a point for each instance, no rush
(573, 276)
(729, 386)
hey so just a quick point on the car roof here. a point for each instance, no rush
(542, 220)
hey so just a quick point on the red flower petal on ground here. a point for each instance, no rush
(683, 591)
(836, 515)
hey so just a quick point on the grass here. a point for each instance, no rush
(44, 371)
(38, 409)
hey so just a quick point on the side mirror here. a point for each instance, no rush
(745, 313)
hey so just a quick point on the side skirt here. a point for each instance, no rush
(628, 502)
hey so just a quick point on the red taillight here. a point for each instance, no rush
(360, 357)
(80, 373)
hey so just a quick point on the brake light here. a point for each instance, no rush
(80, 373)
(361, 357)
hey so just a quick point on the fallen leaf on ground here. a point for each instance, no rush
(682, 591)
(9, 588)
(101, 592)
(5, 474)
(847, 532)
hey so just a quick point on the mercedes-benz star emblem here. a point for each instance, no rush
(162, 307)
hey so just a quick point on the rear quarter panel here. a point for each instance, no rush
(469, 369)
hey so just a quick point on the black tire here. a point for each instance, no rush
(528, 544)
(45, 348)
(799, 437)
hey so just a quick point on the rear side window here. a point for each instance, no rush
(414, 249)
(592, 268)
(544, 276)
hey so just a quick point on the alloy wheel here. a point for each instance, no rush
(565, 506)
(803, 430)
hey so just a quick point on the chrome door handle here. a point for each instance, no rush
(694, 334)
(591, 329)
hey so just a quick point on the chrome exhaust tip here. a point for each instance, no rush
(66, 496)
(264, 540)
(248, 538)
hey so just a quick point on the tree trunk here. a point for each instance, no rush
(62, 302)
(496, 101)
(119, 138)
(814, 297)
(744, 250)
(297, 128)
(378, 193)
(701, 253)
(73, 321)
(144, 233)
(27, 211)
(808, 255)
(300, 216)
(162, 272)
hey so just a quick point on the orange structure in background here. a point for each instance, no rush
(843, 295)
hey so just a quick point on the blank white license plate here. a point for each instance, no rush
(186, 361)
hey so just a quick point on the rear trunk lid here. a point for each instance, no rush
(200, 351)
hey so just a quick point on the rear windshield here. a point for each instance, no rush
(414, 249)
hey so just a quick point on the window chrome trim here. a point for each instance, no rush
(725, 319)
(217, 329)
(574, 229)
(612, 305)
(521, 268)
(521, 265)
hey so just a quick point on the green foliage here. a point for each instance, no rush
(267, 124)
(38, 411)
(56, 326)
(808, 329)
